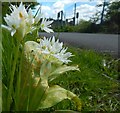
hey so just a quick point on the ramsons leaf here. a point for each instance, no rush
(61, 70)
(56, 94)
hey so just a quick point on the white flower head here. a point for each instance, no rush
(45, 25)
(18, 15)
(19, 20)
(38, 17)
(24, 22)
(30, 19)
(54, 48)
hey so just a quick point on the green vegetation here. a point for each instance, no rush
(97, 85)
(108, 24)
(83, 27)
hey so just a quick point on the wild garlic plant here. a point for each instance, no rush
(29, 66)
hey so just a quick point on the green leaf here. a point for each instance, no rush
(56, 94)
(45, 69)
(65, 111)
(61, 70)
(4, 97)
(0, 96)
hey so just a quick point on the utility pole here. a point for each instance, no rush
(74, 9)
(58, 15)
(61, 18)
(74, 13)
(61, 15)
(102, 14)
(77, 16)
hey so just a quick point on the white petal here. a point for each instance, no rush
(49, 46)
(6, 27)
(48, 30)
(37, 18)
(48, 23)
(53, 39)
(30, 12)
(13, 32)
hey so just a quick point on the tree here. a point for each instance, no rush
(86, 27)
(109, 17)
(113, 12)
(112, 17)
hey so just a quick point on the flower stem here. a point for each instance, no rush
(9, 98)
(29, 93)
(19, 80)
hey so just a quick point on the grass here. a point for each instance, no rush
(96, 84)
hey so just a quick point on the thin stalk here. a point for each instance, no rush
(25, 83)
(29, 76)
(36, 94)
(12, 77)
(29, 92)
(19, 81)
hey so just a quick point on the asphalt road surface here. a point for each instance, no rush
(100, 42)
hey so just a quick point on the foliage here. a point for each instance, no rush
(83, 27)
(97, 84)
(111, 18)
(113, 13)
(29, 67)
(86, 27)
(65, 28)
(110, 22)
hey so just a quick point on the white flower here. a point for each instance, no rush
(30, 18)
(45, 25)
(38, 17)
(20, 20)
(23, 22)
(54, 48)
(14, 20)
(17, 19)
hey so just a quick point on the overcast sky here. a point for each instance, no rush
(86, 8)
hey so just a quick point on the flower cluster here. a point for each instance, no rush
(35, 64)
(54, 48)
(23, 22)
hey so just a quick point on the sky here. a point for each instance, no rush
(86, 8)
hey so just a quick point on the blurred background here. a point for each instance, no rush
(84, 16)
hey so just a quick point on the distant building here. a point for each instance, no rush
(60, 23)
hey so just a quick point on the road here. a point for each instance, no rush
(99, 42)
